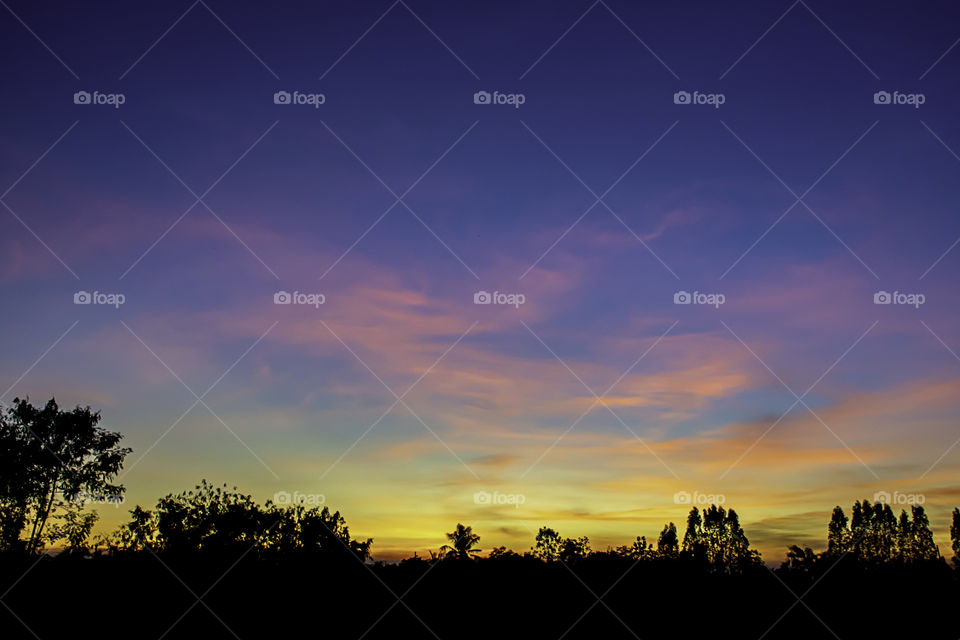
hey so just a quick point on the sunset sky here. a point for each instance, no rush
(597, 199)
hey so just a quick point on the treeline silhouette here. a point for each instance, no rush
(211, 562)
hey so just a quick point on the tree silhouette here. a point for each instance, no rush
(876, 536)
(548, 544)
(74, 527)
(838, 533)
(904, 536)
(885, 531)
(693, 539)
(639, 550)
(138, 534)
(462, 540)
(209, 517)
(873, 530)
(215, 519)
(955, 534)
(801, 559)
(921, 544)
(500, 553)
(298, 528)
(574, 549)
(17, 486)
(50, 457)
(668, 544)
(726, 543)
(717, 539)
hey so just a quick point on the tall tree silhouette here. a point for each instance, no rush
(923, 546)
(17, 485)
(877, 536)
(904, 536)
(716, 538)
(693, 539)
(955, 535)
(724, 541)
(50, 457)
(838, 534)
(873, 529)
(668, 544)
(856, 527)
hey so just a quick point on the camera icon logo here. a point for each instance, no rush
(681, 97)
(82, 297)
(482, 497)
(282, 297)
(481, 97)
(282, 497)
(881, 97)
(881, 497)
(882, 297)
(281, 97)
(81, 97)
(681, 297)
(482, 297)
(682, 497)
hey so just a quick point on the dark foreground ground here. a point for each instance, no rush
(146, 596)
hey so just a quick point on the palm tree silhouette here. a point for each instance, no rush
(461, 544)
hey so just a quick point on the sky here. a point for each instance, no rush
(507, 264)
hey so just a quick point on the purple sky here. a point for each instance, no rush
(818, 169)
